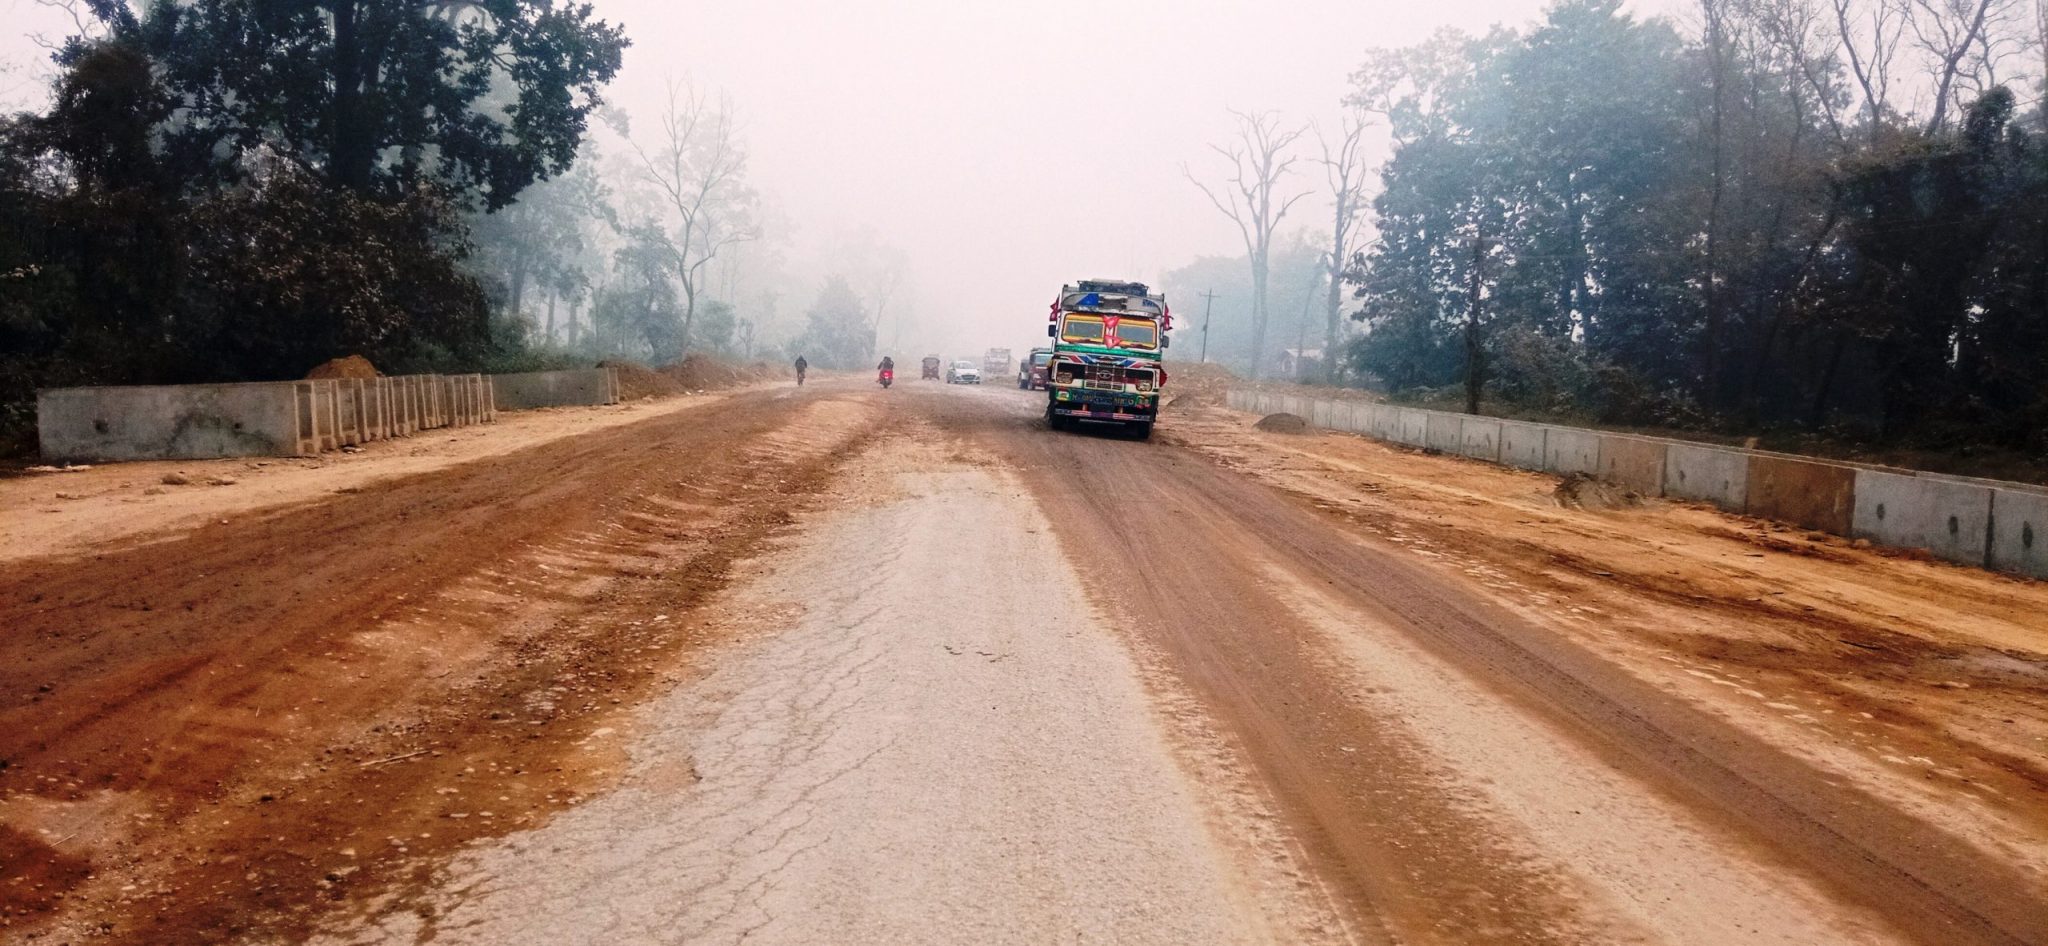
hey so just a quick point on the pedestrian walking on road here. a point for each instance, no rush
(801, 364)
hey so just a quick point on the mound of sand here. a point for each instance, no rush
(638, 381)
(1282, 424)
(1197, 384)
(700, 372)
(1579, 491)
(351, 367)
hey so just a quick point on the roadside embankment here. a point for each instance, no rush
(1984, 523)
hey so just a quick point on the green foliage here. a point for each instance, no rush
(837, 334)
(240, 189)
(480, 98)
(1673, 232)
(640, 314)
(716, 321)
(287, 273)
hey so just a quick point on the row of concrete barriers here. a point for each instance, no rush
(1987, 523)
(289, 418)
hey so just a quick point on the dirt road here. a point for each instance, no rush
(842, 665)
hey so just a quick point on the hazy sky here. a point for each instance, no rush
(1005, 147)
(1008, 147)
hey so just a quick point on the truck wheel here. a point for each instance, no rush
(1142, 430)
(1054, 421)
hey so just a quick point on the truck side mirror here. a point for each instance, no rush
(1166, 341)
(1052, 331)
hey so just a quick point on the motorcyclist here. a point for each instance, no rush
(801, 364)
(888, 364)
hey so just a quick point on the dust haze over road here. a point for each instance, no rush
(844, 665)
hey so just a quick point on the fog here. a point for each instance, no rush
(1001, 148)
(1007, 148)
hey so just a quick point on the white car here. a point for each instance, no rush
(963, 372)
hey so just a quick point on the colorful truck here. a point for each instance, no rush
(1107, 338)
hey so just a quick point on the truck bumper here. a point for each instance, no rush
(1114, 408)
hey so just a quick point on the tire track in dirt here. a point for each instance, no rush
(1201, 530)
(276, 714)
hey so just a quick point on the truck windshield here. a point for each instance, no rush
(1041, 359)
(1086, 328)
(1143, 334)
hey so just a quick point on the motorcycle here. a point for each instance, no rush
(887, 378)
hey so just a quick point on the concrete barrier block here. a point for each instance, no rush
(1479, 438)
(1358, 417)
(1634, 462)
(168, 422)
(1950, 519)
(1568, 450)
(1413, 428)
(327, 417)
(1443, 432)
(1707, 474)
(347, 413)
(1803, 492)
(2019, 531)
(1523, 446)
(1372, 420)
(1323, 413)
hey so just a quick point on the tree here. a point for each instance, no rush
(699, 167)
(544, 238)
(287, 272)
(1258, 163)
(482, 97)
(638, 314)
(1344, 168)
(838, 333)
(1948, 33)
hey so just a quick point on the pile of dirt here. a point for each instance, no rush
(1282, 424)
(637, 381)
(351, 367)
(700, 372)
(1197, 384)
(1579, 491)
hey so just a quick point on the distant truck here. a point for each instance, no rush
(1107, 338)
(995, 363)
(1031, 369)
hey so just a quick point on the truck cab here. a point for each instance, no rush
(1105, 366)
(1033, 370)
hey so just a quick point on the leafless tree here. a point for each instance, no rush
(1877, 23)
(1795, 31)
(1947, 32)
(1258, 162)
(699, 167)
(1345, 170)
(2041, 46)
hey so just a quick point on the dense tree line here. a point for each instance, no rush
(1736, 225)
(240, 189)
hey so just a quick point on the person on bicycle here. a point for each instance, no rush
(801, 364)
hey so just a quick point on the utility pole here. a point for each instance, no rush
(1473, 367)
(1208, 303)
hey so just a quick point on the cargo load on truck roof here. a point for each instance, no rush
(1105, 295)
